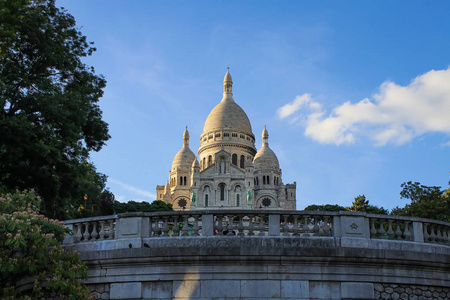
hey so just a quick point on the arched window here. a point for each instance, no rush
(204, 162)
(222, 191)
(181, 180)
(185, 180)
(264, 179)
(242, 163)
(206, 200)
(257, 180)
(234, 159)
(209, 160)
(238, 200)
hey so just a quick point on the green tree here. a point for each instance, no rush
(361, 204)
(133, 206)
(49, 114)
(429, 202)
(30, 248)
(325, 207)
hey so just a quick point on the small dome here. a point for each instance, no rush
(185, 157)
(195, 164)
(265, 158)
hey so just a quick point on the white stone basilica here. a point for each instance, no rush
(231, 173)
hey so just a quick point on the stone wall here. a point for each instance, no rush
(411, 292)
(263, 255)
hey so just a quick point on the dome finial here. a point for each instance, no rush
(186, 138)
(227, 83)
(265, 137)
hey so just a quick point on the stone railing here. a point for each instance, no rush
(132, 226)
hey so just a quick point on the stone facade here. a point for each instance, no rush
(230, 172)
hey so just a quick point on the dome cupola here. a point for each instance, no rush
(227, 125)
(265, 158)
(185, 157)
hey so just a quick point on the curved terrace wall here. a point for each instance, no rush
(263, 255)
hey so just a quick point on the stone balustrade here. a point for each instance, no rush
(263, 254)
(257, 223)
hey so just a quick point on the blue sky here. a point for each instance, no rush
(355, 94)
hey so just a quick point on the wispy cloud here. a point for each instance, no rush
(133, 191)
(396, 114)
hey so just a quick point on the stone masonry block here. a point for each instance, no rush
(324, 290)
(157, 290)
(186, 289)
(357, 290)
(220, 288)
(295, 289)
(125, 290)
(260, 288)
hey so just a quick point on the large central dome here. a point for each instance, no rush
(227, 115)
(226, 128)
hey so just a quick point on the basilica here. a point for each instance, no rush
(229, 172)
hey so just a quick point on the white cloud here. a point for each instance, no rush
(395, 115)
(133, 192)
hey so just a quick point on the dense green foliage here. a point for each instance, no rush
(30, 247)
(429, 202)
(361, 204)
(49, 116)
(133, 206)
(325, 207)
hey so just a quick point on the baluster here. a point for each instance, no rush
(78, 235)
(407, 233)
(219, 225)
(240, 227)
(426, 236)
(285, 226)
(381, 230)
(261, 226)
(316, 227)
(326, 226)
(251, 225)
(165, 226)
(296, 231)
(86, 234)
(398, 231)
(175, 228)
(373, 230)
(195, 228)
(185, 229)
(306, 230)
(94, 233)
(432, 234)
(155, 226)
(438, 234)
(447, 235)
(112, 229)
(102, 232)
(230, 226)
(390, 232)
